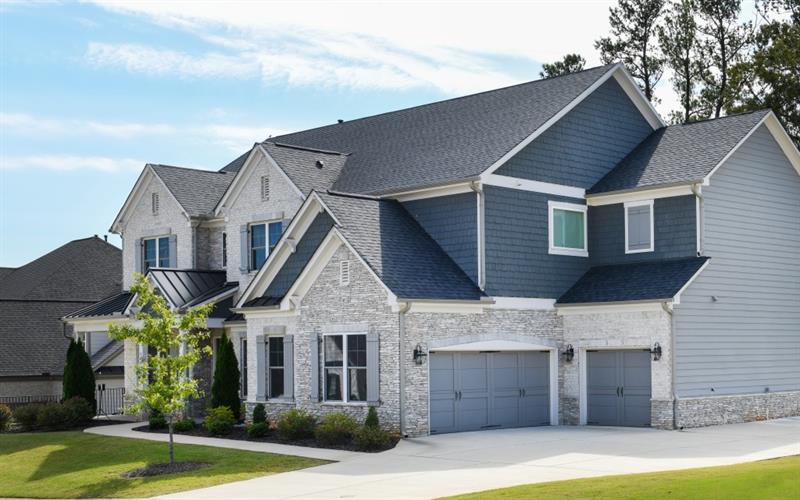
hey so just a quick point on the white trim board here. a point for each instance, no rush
(523, 303)
(643, 194)
(533, 186)
(432, 192)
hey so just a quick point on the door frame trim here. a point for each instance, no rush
(583, 369)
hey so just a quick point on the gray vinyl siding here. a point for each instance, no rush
(517, 260)
(452, 222)
(675, 232)
(296, 262)
(586, 143)
(748, 341)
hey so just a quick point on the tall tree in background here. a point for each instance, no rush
(633, 41)
(570, 63)
(771, 77)
(725, 44)
(78, 374)
(678, 39)
(225, 386)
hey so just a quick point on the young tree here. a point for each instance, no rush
(225, 387)
(633, 41)
(725, 43)
(174, 342)
(78, 374)
(678, 39)
(570, 63)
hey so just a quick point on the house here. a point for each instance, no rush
(542, 254)
(34, 298)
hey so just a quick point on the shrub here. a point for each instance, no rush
(225, 387)
(219, 420)
(259, 414)
(372, 439)
(78, 410)
(5, 417)
(372, 418)
(336, 428)
(53, 416)
(156, 421)
(184, 424)
(296, 424)
(78, 374)
(26, 416)
(258, 430)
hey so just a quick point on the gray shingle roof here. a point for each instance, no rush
(659, 280)
(398, 250)
(679, 153)
(197, 191)
(236, 164)
(300, 164)
(444, 141)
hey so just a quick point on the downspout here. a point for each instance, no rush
(401, 320)
(670, 311)
(478, 189)
(699, 219)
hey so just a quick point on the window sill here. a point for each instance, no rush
(344, 403)
(279, 401)
(643, 250)
(572, 252)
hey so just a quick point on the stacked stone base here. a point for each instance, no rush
(718, 410)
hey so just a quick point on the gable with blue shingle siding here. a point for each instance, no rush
(674, 227)
(518, 262)
(452, 222)
(306, 247)
(585, 144)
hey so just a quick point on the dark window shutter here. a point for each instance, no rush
(288, 366)
(373, 378)
(173, 251)
(314, 367)
(244, 249)
(261, 368)
(137, 256)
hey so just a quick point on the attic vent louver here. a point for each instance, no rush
(154, 203)
(344, 273)
(320, 163)
(265, 188)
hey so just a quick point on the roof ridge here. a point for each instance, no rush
(706, 120)
(189, 169)
(304, 148)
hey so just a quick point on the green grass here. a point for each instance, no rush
(768, 479)
(77, 465)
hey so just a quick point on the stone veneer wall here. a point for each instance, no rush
(716, 410)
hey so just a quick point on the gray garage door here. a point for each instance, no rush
(486, 390)
(618, 388)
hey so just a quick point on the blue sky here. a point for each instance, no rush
(90, 92)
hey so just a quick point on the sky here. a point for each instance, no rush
(92, 91)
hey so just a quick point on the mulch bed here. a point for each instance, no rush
(160, 469)
(14, 428)
(239, 433)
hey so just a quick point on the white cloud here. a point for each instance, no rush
(69, 163)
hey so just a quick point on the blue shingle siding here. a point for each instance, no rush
(297, 261)
(586, 143)
(675, 232)
(517, 260)
(452, 222)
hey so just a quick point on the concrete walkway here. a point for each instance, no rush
(126, 431)
(460, 463)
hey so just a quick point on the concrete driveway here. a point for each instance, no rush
(459, 463)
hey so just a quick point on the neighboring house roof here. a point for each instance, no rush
(301, 165)
(6, 270)
(197, 191)
(680, 153)
(186, 287)
(106, 354)
(643, 281)
(110, 306)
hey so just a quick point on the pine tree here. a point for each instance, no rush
(570, 63)
(78, 374)
(225, 387)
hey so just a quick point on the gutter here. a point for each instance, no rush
(401, 322)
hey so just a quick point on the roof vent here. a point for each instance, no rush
(320, 163)
(340, 120)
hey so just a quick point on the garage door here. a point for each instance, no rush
(486, 390)
(618, 384)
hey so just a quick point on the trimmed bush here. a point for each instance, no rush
(156, 421)
(78, 410)
(259, 414)
(372, 418)
(52, 417)
(336, 428)
(5, 417)
(219, 420)
(26, 416)
(78, 374)
(184, 424)
(296, 424)
(372, 439)
(225, 387)
(258, 430)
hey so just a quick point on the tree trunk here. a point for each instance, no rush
(171, 443)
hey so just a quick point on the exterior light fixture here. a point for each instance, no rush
(419, 354)
(656, 351)
(569, 353)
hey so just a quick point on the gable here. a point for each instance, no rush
(585, 144)
(138, 203)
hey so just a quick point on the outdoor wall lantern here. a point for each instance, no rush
(569, 353)
(656, 351)
(419, 354)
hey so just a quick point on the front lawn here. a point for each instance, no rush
(76, 465)
(774, 479)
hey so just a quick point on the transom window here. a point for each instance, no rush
(263, 238)
(567, 227)
(156, 252)
(275, 367)
(639, 230)
(345, 367)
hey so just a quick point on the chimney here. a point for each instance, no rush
(105, 238)
(340, 120)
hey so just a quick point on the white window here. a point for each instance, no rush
(639, 227)
(264, 188)
(567, 228)
(155, 252)
(154, 203)
(345, 362)
(344, 273)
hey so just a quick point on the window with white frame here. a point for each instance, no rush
(567, 228)
(155, 252)
(243, 366)
(275, 367)
(639, 227)
(345, 367)
(263, 238)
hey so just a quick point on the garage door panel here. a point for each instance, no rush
(619, 387)
(473, 413)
